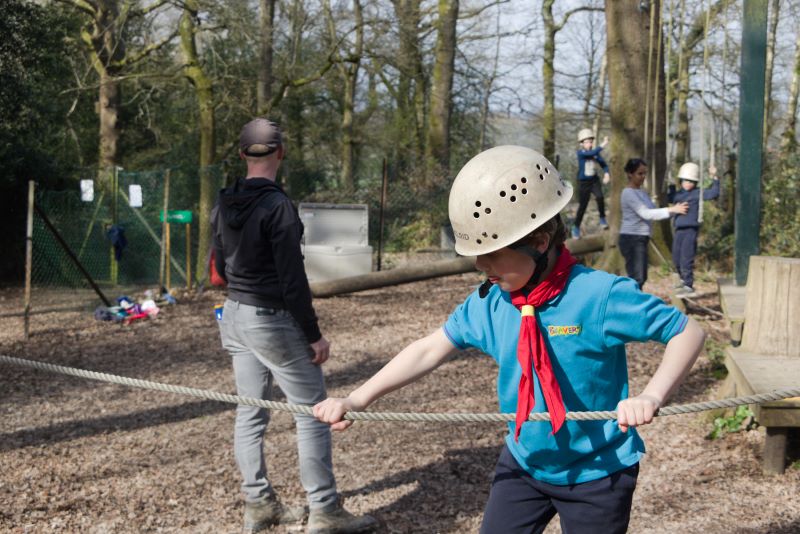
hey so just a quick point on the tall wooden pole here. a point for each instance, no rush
(383, 207)
(164, 230)
(189, 256)
(29, 257)
(751, 119)
(166, 264)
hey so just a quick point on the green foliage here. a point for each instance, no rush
(715, 352)
(716, 239)
(780, 224)
(742, 419)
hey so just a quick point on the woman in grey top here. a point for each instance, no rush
(638, 212)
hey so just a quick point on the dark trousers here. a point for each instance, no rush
(587, 188)
(518, 503)
(634, 249)
(684, 249)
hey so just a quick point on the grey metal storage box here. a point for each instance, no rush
(336, 240)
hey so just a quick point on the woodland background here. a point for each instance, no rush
(87, 86)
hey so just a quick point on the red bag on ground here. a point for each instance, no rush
(216, 279)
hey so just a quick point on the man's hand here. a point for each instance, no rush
(332, 411)
(321, 350)
(605, 142)
(636, 411)
(606, 179)
(712, 171)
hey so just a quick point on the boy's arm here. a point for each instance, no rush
(671, 191)
(679, 356)
(712, 192)
(599, 159)
(412, 363)
(589, 153)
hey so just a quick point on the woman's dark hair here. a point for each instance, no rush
(633, 164)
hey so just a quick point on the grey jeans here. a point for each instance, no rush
(267, 344)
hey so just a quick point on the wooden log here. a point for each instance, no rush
(425, 271)
(772, 306)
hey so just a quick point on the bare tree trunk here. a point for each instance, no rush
(267, 20)
(548, 74)
(107, 51)
(771, 36)
(789, 138)
(601, 96)
(348, 71)
(627, 58)
(551, 28)
(103, 37)
(411, 84)
(679, 71)
(488, 83)
(193, 70)
(437, 146)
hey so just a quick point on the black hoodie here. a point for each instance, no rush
(257, 235)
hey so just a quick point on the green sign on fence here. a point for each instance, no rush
(177, 216)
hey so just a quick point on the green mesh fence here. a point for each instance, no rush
(87, 227)
(414, 211)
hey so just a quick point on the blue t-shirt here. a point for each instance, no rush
(585, 328)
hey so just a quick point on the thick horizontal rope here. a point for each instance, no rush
(390, 416)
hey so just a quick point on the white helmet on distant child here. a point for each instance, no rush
(501, 195)
(689, 171)
(584, 134)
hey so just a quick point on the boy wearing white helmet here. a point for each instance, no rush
(589, 163)
(558, 331)
(687, 226)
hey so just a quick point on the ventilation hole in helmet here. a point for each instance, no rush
(484, 234)
(524, 191)
(478, 241)
(494, 236)
(538, 166)
(477, 203)
(541, 176)
(502, 193)
(533, 215)
(524, 180)
(513, 199)
(476, 214)
(513, 187)
(559, 193)
(547, 170)
(488, 211)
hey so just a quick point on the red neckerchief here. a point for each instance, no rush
(531, 349)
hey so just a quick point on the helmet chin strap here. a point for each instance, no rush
(540, 259)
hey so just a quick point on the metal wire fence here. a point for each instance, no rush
(116, 231)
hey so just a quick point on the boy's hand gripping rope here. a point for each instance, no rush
(391, 416)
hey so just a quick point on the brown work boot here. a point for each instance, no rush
(339, 521)
(261, 515)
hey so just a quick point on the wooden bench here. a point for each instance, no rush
(732, 299)
(769, 355)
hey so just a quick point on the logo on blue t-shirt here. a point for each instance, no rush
(573, 330)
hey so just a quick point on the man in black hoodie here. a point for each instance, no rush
(271, 331)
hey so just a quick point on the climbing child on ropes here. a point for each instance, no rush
(557, 331)
(687, 226)
(589, 163)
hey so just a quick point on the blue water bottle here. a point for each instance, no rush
(218, 311)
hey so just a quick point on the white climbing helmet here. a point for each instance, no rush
(501, 195)
(586, 133)
(689, 171)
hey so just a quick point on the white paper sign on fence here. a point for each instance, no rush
(135, 195)
(87, 190)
